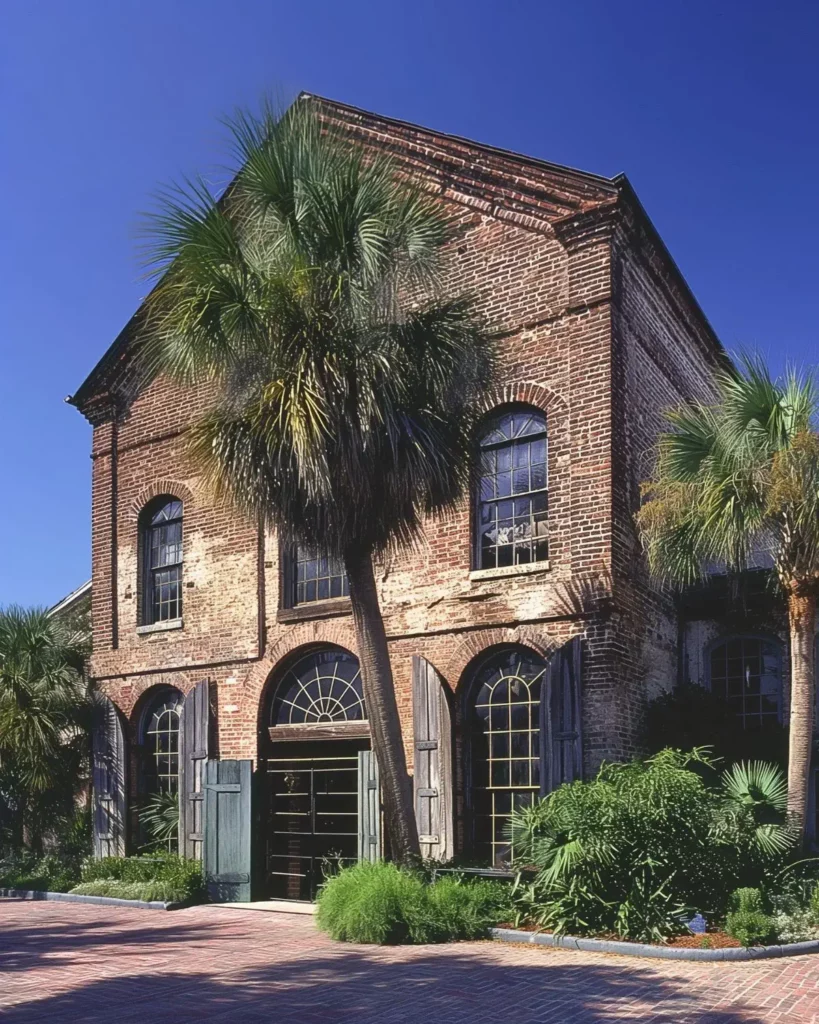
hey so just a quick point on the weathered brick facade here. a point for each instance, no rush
(599, 330)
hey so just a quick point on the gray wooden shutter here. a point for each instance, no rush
(227, 845)
(369, 807)
(432, 779)
(561, 740)
(108, 751)
(194, 755)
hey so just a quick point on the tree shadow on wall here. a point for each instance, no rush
(350, 985)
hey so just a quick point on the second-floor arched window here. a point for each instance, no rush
(512, 507)
(162, 560)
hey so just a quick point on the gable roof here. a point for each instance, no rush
(535, 192)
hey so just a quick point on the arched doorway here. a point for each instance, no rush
(315, 744)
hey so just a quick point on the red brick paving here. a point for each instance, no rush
(65, 962)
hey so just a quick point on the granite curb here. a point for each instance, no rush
(70, 897)
(657, 952)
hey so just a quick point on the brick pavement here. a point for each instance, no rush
(62, 962)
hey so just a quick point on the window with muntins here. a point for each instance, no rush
(504, 728)
(512, 512)
(321, 688)
(162, 561)
(746, 671)
(160, 743)
(316, 577)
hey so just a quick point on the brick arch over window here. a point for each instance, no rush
(525, 393)
(156, 489)
(478, 643)
(302, 637)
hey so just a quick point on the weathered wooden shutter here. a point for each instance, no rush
(369, 807)
(108, 746)
(193, 757)
(432, 778)
(561, 749)
(227, 845)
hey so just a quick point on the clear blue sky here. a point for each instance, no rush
(710, 108)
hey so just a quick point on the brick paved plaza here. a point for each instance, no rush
(61, 962)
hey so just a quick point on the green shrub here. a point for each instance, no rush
(641, 846)
(175, 877)
(747, 921)
(52, 873)
(381, 903)
(158, 891)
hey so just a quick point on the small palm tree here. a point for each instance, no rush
(44, 719)
(313, 296)
(735, 478)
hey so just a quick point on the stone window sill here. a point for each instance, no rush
(315, 610)
(159, 627)
(527, 569)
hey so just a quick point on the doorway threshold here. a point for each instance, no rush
(274, 906)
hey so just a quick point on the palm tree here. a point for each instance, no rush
(735, 478)
(44, 738)
(313, 295)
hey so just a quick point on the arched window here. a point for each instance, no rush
(746, 671)
(511, 517)
(159, 735)
(503, 716)
(322, 687)
(162, 560)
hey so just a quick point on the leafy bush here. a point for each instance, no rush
(637, 849)
(747, 921)
(159, 818)
(159, 891)
(52, 873)
(175, 879)
(381, 903)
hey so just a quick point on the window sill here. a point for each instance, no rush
(527, 569)
(159, 627)
(315, 610)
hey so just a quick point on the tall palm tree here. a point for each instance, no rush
(738, 477)
(313, 295)
(44, 738)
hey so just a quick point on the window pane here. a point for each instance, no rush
(513, 461)
(505, 769)
(317, 577)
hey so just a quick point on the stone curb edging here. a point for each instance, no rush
(72, 897)
(657, 952)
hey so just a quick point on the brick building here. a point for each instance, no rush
(524, 629)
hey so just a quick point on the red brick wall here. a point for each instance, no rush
(592, 335)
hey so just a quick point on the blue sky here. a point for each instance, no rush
(710, 108)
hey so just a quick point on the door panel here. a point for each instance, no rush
(312, 820)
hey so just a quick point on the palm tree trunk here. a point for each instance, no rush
(802, 620)
(382, 708)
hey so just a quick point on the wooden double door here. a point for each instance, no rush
(322, 811)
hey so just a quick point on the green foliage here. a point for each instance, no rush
(315, 296)
(159, 818)
(179, 879)
(44, 726)
(738, 476)
(157, 890)
(382, 903)
(44, 874)
(639, 847)
(747, 920)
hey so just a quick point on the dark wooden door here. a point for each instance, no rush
(312, 814)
